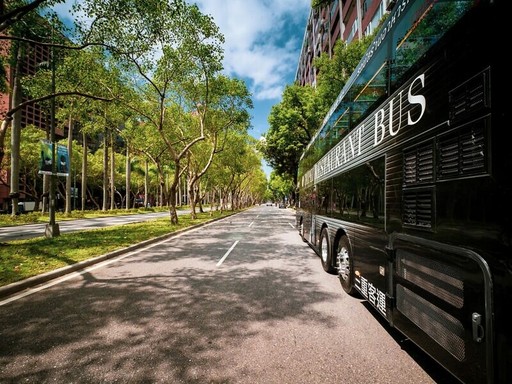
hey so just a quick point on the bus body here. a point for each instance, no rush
(405, 192)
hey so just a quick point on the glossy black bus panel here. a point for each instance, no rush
(413, 167)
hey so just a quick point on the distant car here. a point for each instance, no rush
(269, 203)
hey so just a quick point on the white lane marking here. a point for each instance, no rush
(250, 225)
(227, 253)
(101, 264)
(291, 225)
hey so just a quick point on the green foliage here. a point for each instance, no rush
(3, 76)
(236, 159)
(298, 116)
(292, 124)
(25, 258)
(320, 3)
(159, 63)
(334, 72)
(280, 187)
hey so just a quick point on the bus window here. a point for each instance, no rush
(358, 195)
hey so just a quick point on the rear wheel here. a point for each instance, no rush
(344, 265)
(325, 252)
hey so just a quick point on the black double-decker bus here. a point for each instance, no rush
(405, 192)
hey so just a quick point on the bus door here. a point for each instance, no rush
(441, 298)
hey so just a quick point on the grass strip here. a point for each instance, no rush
(21, 259)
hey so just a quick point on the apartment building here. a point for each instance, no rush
(345, 20)
(32, 114)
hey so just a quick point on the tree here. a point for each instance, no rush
(34, 30)
(88, 72)
(293, 122)
(174, 53)
(281, 188)
(29, 158)
(17, 53)
(320, 3)
(229, 101)
(12, 12)
(236, 172)
(334, 72)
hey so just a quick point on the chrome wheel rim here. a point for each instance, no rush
(325, 251)
(343, 262)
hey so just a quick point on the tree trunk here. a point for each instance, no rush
(128, 176)
(172, 195)
(84, 171)
(105, 170)
(16, 136)
(93, 200)
(146, 182)
(192, 200)
(173, 215)
(200, 197)
(112, 172)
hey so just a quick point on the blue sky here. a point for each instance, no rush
(263, 39)
(263, 43)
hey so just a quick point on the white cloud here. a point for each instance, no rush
(259, 47)
(262, 39)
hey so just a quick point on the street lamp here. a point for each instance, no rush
(52, 228)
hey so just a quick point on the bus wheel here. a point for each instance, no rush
(344, 265)
(325, 252)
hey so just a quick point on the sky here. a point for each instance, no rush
(263, 39)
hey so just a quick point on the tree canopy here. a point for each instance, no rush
(158, 63)
(292, 123)
(295, 119)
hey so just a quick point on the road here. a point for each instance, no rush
(241, 300)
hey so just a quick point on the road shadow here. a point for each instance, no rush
(143, 328)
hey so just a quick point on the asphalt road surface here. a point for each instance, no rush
(242, 300)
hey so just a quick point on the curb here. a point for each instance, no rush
(29, 282)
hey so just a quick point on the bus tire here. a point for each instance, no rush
(344, 265)
(325, 252)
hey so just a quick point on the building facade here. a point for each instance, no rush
(345, 20)
(31, 114)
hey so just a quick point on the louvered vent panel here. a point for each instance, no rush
(410, 168)
(419, 165)
(448, 159)
(470, 97)
(409, 206)
(463, 155)
(473, 148)
(418, 208)
(425, 165)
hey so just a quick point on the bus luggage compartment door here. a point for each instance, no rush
(442, 302)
